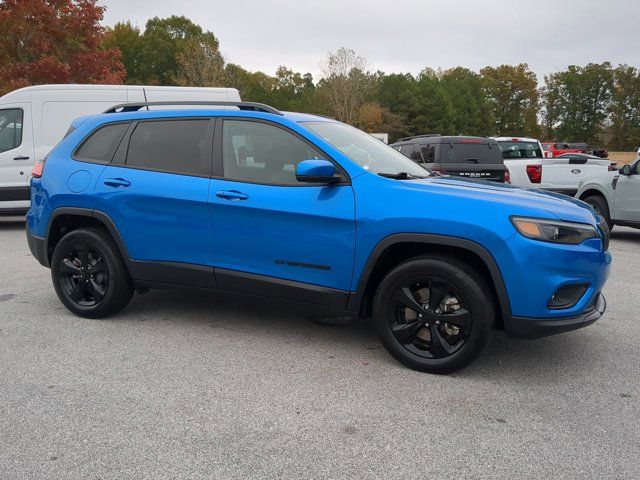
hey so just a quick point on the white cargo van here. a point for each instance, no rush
(34, 119)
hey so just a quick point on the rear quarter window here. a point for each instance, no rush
(100, 146)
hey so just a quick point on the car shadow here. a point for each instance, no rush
(625, 234)
(286, 323)
(12, 223)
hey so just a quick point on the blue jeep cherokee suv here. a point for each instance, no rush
(304, 208)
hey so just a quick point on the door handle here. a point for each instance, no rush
(116, 182)
(232, 195)
(21, 157)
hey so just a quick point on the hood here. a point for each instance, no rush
(524, 199)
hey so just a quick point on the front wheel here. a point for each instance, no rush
(601, 207)
(89, 274)
(434, 314)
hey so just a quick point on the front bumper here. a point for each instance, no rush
(38, 247)
(522, 327)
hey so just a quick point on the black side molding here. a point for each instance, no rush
(13, 194)
(177, 273)
(242, 282)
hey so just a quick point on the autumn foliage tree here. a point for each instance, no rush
(54, 41)
(512, 92)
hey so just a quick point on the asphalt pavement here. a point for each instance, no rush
(194, 385)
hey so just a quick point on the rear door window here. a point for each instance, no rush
(171, 146)
(102, 144)
(411, 151)
(428, 153)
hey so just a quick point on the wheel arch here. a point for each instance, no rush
(66, 219)
(400, 247)
(591, 191)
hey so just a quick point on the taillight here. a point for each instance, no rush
(507, 176)
(38, 168)
(534, 172)
(613, 167)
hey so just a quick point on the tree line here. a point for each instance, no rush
(43, 41)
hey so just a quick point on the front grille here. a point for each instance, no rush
(604, 230)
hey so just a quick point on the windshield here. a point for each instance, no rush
(369, 152)
(511, 150)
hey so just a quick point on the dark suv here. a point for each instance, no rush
(470, 157)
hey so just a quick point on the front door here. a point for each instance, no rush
(156, 195)
(16, 156)
(627, 196)
(274, 235)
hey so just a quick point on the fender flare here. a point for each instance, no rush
(356, 299)
(600, 189)
(90, 213)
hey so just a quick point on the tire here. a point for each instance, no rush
(89, 274)
(455, 284)
(599, 204)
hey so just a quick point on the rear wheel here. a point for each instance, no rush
(89, 274)
(599, 204)
(434, 314)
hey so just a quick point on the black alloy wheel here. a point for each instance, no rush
(434, 313)
(84, 275)
(89, 273)
(428, 317)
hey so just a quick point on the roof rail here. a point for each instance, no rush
(420, 136)
(134, 107)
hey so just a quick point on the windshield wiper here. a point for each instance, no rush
(399, 175)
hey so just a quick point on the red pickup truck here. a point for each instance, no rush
(552, 150)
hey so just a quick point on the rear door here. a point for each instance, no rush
(471, 158)
(155, 191)
(16, 155)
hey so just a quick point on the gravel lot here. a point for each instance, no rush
(191, 385)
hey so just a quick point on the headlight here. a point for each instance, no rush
(555, 231)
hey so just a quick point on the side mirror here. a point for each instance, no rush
(626, 170)
(316, 171)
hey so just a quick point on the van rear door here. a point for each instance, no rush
(16, 156)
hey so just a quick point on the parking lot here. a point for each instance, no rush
(186, 385)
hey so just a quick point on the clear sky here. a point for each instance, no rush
(408, 35)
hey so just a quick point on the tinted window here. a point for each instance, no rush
(10, 129)
(428, 153)
(479, 153)
(415, 153)
(262, 153)
(102, 143)
(174, 146)
(405, 150)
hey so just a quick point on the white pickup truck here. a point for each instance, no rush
(524, 157)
